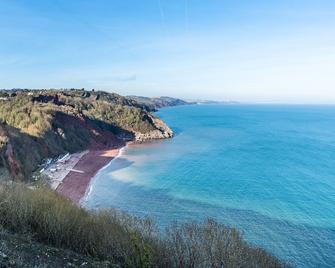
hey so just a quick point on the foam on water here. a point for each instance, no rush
(268, 170)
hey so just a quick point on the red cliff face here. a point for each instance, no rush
(7, 159)
(12, 164)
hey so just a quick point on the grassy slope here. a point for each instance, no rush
(122, 239)
(23, 251)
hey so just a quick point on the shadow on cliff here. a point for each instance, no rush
(22, 153)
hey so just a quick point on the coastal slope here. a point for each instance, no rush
(40, 227)
(44, 124)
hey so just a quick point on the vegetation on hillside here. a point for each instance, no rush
(33, 112)
(35, 125)
(156, 103)
(23, 251)
(121, 239)
(43, 124)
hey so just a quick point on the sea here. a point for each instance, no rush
(268, 170)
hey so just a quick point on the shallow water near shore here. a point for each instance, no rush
(266, 169)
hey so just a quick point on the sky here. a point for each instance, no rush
(232, 50)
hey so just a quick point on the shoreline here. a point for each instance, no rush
(92, 180)
(77, 183)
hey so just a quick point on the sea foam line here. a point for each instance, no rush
(94, 178)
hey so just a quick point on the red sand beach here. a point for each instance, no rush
(76, 182)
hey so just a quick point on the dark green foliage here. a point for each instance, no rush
(33, 112)
(4, 95)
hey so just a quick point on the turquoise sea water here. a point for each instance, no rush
(266, 169)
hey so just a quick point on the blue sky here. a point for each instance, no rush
(252, 51)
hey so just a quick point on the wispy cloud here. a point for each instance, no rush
(125, 78)
(162, 16)
(186, 15)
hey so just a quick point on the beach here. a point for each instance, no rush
(71, 175)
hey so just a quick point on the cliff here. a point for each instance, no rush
(35, 125)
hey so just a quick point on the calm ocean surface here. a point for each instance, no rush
(266, 169)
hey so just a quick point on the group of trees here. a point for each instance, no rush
(34, 116)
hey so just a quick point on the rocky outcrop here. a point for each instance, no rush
(162, 131)
(54, 98)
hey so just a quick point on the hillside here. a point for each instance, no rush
(35, 125)
(23, 251)
(156, 103)
(41, 223)
(40, 228)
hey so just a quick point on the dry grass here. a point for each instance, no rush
(122, 239)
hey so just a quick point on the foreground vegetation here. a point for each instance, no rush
(23, 251)
(121, 239)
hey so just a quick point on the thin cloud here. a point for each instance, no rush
(126, 78)
(186, 15)
(162, 15)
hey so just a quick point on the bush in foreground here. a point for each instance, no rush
(122, 239)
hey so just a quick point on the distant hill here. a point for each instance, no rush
(202, 101)
(158, 102)
(38, 124)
